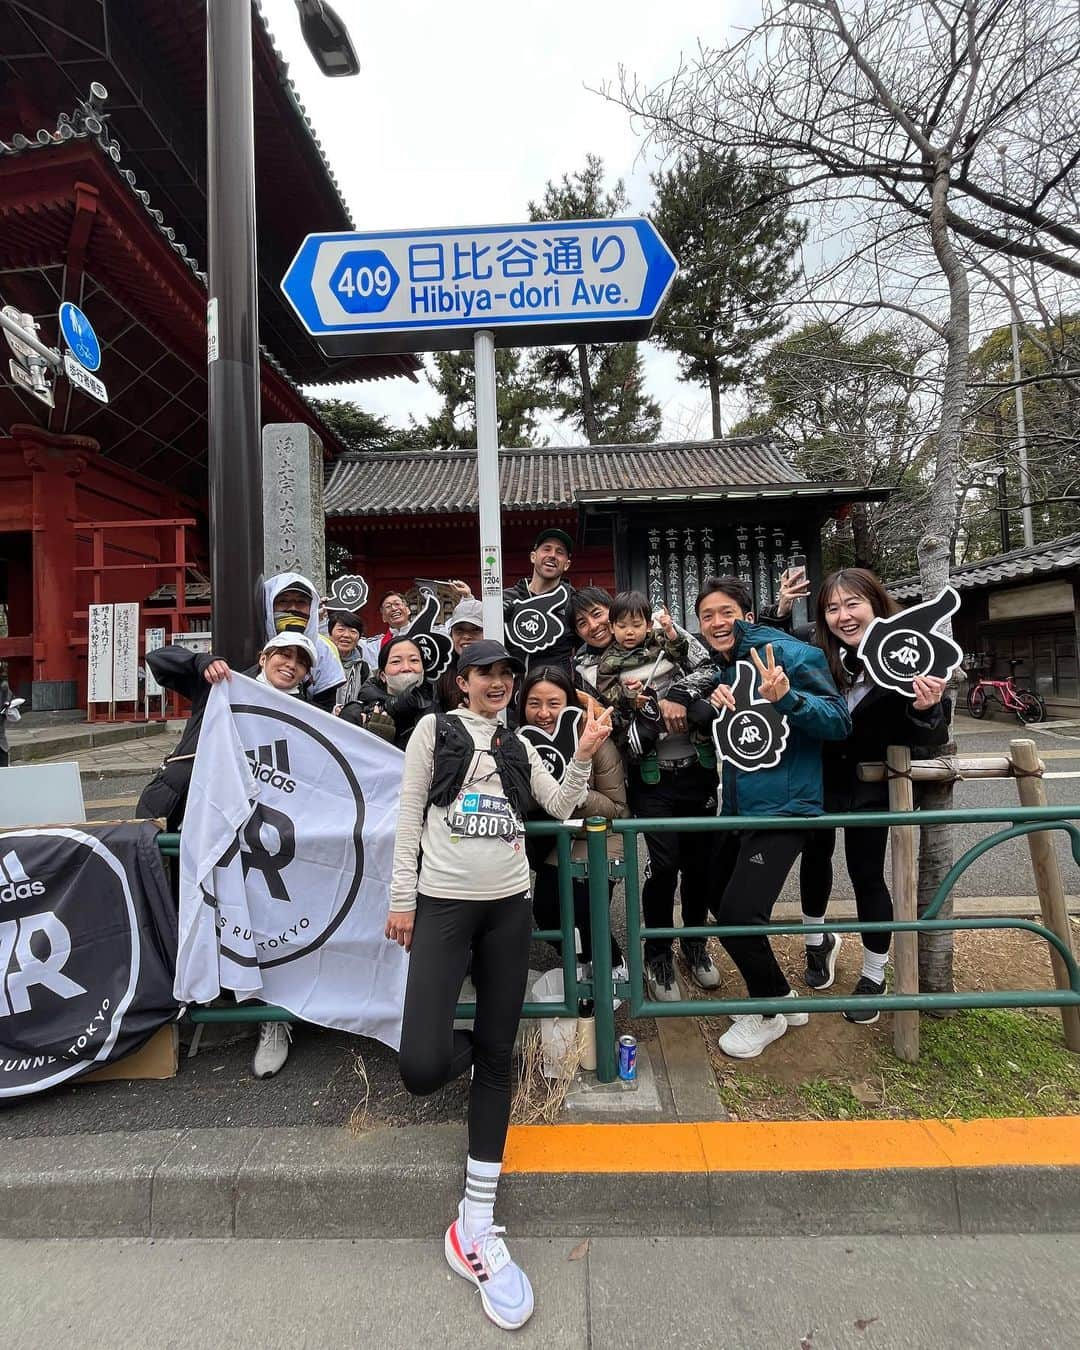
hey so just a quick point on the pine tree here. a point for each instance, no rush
(362, 430)
(737, 243)
(600, 390)
(518, 399)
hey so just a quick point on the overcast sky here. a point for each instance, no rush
(462, 112)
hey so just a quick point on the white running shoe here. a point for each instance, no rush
(796, 1019)
(272, 1050)
(505, 1291)
(749, 1035)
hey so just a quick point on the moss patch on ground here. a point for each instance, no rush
(978, 1063)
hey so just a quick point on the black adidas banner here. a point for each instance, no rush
(87, 950)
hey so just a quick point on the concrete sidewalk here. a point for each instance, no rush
(713, 1179)
(636, 1293)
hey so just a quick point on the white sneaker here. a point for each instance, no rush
(796, 1019)
(620, 973)
(749, 1035)
(272, 1050)
(505, 1291)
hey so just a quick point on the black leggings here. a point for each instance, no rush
(546, 909)
(751, 868)
(497, 932)
(864, 853)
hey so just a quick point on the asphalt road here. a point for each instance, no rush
(861, 1293)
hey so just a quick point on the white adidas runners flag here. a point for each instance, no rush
(285, 861)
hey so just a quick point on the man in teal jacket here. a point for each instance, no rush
(772, 701)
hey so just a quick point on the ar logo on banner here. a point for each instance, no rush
(896, 650)
(536, 621)
(61, 889)
(754, 735)
(349, 593)
(435, 648)
(271, 841)
(556, 748)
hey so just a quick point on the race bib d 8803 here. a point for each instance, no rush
(476, 815)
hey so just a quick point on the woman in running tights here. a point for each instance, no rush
(461, 884)
(849, 600)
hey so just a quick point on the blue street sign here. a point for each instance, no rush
(555, 281)
(80, 336)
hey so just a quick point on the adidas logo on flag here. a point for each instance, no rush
(270, 764)
(14, 883)
(757, 858)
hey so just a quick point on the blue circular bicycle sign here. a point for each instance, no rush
(80, 336)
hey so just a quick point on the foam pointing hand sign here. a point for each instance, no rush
(750, 733)
(435, 648)
(556, 748)
(535, 622)
(897, 650)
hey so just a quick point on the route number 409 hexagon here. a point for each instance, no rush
(364, 281)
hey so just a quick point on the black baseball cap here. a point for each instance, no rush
(553, 532)
(485, 652)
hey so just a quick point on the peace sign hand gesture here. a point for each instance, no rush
(774, 682)
(594, 732)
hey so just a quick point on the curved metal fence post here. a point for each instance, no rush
(1028, 768)
(596, 837)
(905, 902)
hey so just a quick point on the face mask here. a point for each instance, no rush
(290, 622)
(403, 681)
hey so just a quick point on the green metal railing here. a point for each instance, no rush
(599, 871)
(1021, 820)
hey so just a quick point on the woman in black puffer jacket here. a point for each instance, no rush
(392, 702)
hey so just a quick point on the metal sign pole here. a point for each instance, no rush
(234, 450)
(487, 482)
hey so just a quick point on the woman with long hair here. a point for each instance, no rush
(848, 602)
(545, 693)
(461, 884)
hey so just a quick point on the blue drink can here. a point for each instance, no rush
(627, 1058)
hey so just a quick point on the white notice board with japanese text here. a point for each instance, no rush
(99, 654)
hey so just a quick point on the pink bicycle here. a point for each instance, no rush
(1027, 706)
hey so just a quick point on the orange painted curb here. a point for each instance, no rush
(794, 1146)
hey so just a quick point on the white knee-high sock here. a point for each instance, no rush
(873, 965)
(813, 939)
(477, 1212)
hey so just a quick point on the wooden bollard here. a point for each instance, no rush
(905, 884)
(1047, 870)
(944, 769)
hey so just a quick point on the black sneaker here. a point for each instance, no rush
(821, 962)
(865, 1016)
